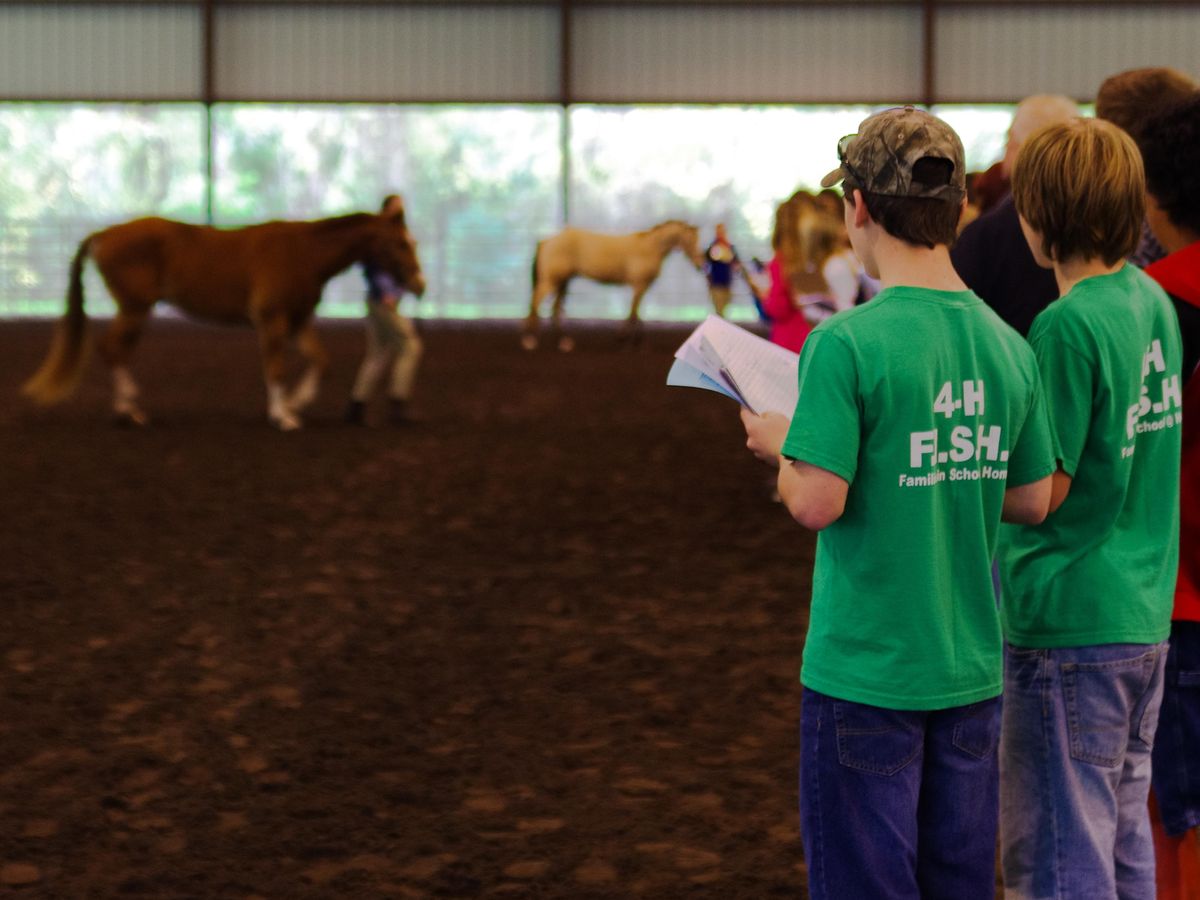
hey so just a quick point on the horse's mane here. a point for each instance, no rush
(337, 223)
(661, 225)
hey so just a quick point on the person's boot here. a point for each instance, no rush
(356, 413)
(400, 413)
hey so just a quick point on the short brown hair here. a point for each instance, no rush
(921, 221)
(1171, 155)
(1080, 184)
(1130, 99)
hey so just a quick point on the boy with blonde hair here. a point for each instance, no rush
(1087, 593)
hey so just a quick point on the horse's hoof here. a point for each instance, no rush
(566, 344)
(300, 400)
(286, 423)
(631, 334)
(529, 342)
(130, 418)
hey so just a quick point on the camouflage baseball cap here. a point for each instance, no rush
(881, 157)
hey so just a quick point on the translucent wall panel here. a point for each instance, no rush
(121, 52)
(482, 186)
(999, 54)
(356, 52)
(66, 170)
(730, 54)
(983, 129)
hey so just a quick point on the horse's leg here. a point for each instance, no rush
(115, 347)
(566, 343)
(632, 329)
(317, 357)
(134, 290)
(529, 336)
(272, 340)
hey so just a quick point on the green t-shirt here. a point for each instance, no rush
(1101, 569)
(927, 404)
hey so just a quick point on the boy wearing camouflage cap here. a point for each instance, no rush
(919, 423)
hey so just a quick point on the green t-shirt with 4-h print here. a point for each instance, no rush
(1101, 569)
(928, 405)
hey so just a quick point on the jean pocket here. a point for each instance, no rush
(978, 732)
(1101, 699)
(875, 740)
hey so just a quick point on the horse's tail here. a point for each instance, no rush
(59, 373)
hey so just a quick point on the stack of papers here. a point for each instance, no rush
(723, 357)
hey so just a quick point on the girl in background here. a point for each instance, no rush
(813, 274)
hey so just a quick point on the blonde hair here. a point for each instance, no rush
(804, 238)
(819, 234)
(1080, 184)
(784, 237)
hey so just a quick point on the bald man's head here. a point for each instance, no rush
(1032, 115)
(1036, 112)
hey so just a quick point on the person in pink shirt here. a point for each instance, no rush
(811, 275)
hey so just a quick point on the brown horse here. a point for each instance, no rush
(269, 275)
(633, 259)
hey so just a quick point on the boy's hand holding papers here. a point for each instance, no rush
(765, 434)
(720, 356)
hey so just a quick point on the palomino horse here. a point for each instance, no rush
(633, 259)
(270, 275)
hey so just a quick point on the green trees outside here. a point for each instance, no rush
(482, 184)
(67, 169)
(634, 166)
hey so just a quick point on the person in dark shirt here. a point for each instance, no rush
(991, 254)
(721, 263)
(992, 257)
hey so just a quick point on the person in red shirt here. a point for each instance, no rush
(1170, 145)
(789, 327)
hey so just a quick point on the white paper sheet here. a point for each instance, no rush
(684, 375)
(764, 374)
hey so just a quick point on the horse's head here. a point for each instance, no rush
(689, 242)
(395, 251)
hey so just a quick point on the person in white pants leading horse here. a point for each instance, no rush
(392, 343)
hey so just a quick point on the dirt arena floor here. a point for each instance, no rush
(543, 644)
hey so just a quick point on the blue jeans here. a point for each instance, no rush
(1075, 771)
(897, 804)
(1176, 770)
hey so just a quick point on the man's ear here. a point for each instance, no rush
(861, 215)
